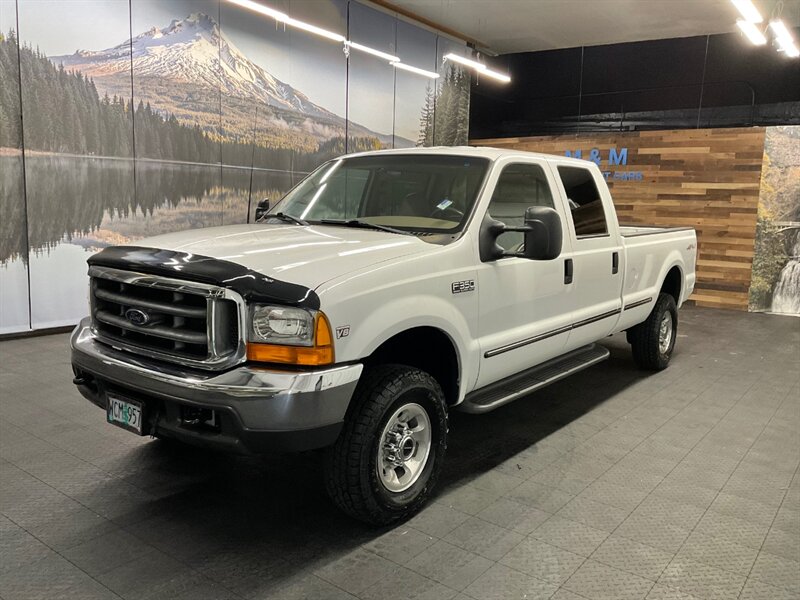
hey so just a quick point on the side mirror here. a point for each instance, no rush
(542, 230)
(262, 208)
(542, 233)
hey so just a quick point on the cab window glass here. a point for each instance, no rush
(583, 198)
(345, 190)
(419, 193)
(518, 187)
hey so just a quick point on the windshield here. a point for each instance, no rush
(417, 193)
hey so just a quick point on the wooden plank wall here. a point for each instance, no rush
(704, 178)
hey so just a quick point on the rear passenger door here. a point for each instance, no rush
(595, 296)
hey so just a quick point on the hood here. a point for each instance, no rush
(307, 256)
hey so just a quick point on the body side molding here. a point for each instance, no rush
(549, 334)
(638, 303)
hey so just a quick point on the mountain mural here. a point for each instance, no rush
(181, 69)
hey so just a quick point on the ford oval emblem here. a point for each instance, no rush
(137, 317)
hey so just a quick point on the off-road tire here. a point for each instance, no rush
(644, 337)
(351, 477)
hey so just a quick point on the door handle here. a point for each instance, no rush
(614, 263)
(568, 271)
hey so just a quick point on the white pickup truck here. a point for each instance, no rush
(385, 290)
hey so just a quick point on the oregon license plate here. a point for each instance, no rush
(125, 413)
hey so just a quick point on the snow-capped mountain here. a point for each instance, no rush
(193, 51)
(181, 69)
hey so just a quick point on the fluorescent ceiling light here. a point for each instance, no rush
(465, 61)
(784, 38)
(315, 30)
(481, 68)
(368, 50)
(495, 75)
(791, 51)
(416, 70)
(781, 32)
(752, 32)
(260, 8)
(284, 18)
(748, 11)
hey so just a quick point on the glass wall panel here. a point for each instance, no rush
(78, 144)
(13, 234)
(451, 117)
(414, 94)
(370, 92)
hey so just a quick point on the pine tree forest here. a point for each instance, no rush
(64, 113)
(445, 115)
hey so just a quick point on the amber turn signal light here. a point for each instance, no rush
(321, 353)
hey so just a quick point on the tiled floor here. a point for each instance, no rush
(612, 484)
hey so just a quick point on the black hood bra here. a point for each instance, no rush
(251, 285)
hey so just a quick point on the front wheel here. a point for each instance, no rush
(385, 462)
(653, 340)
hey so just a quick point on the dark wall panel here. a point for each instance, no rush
(706, 81)
(654, 64)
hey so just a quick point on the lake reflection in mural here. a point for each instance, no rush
(217, 106)
(78, 205)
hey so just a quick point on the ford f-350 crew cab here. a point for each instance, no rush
(384, 290)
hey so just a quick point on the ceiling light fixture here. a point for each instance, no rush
(368, 50)
(465, 61)
(495, 75)
(315, 30)
(395, 61)
(752, 32)
(416, 70)
(792, 51)
(784, 38)
(748, 11)
(481, 68)
(260, 8)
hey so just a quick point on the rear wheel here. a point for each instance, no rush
(653, 341)
(388, 456)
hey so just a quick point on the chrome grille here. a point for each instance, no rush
(179, 321)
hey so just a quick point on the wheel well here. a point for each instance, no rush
(425, 348)
(672, 284)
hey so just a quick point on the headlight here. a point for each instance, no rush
(282, 325)
(288, 335)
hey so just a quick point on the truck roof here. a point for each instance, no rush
(477, 151)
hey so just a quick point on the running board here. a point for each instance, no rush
(509, 389)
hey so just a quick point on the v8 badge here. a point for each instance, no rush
(342, 331)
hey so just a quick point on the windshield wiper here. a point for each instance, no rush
(286, 218)
(363, 225)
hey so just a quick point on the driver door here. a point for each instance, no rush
(523, 314)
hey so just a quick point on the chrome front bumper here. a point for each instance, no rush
(263, 408)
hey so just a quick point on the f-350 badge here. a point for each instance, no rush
(458, 287)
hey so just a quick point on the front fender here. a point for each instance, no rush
(385, 320)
